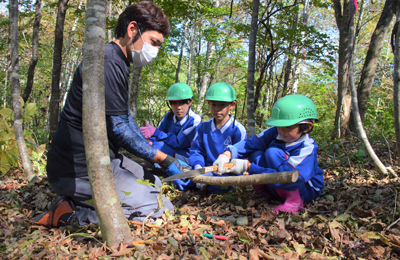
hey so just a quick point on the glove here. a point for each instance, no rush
(221, 160)
(173, 166)
(240, 166)
(197, 166)
(148, 131)
(183, 185)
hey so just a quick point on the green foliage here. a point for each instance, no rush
(9, 153)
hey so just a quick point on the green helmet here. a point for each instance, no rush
(179, 91)
(220, 91)
(291, 110)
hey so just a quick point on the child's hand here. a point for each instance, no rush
(148, 131)
(221, 160)
(240, 167)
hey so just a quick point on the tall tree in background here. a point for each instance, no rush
(396, 75)
(57, 65)
(356, 114)
(251, 128)
(134, 90)
(16, 91)
(344, 21)
(371, 60)
(113, 224)
(35, 52)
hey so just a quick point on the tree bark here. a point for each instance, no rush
(16, 91)
(344, 21)
(396, 77)
(113, 224)
(251, 127)
(356, 115)
(256, 179)
(372, 59)
(57, 64)
(35, 50)
(192, 46)
(178, 68)
(206, 76)
(134, 91)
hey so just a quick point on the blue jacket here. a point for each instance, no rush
(300, 155)
(210, 142)
(177, 134)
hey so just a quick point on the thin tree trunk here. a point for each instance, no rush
(356, 114)
(372, 59)
(57, 64)
(113, 225)
(191, 55)
(251, 127)
(35, 50)
(134, 90)
(178, 68)
(205, 77)
(16, 91)
(396, 78)
(344, 20)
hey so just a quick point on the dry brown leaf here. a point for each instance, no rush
(253, 254)
(375, 252)
(316, 256)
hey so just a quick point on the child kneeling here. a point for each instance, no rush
(286, 146)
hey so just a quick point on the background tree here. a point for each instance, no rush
(396, 74)
(35, 52)
(113, 225)
(16, 91)
(251, 69)
(57, 64)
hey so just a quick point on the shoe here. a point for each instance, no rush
(293, 202)
(61, 213)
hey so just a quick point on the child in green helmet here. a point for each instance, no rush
(286, 146)
(214, 135)
(176, 131)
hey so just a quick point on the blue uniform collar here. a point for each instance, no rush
(301, 139)
(184, 119)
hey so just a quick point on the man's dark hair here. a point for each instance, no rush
(148, 17)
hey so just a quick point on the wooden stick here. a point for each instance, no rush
(255, 179)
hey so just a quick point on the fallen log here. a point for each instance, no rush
(255, 179)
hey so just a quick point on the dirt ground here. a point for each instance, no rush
(356, 217)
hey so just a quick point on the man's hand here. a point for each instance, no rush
(221, 160)
(148, 131)
(240, 166)
(173, 166)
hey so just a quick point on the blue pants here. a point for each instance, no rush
(272, 158)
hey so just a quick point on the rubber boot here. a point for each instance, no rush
(293, 202)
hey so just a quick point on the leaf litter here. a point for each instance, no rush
(356, 217)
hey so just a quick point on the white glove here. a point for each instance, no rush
(239, 167)
(221, 160)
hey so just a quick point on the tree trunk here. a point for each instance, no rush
(16, 91)
(396, 78)
(344, 21)
(134, 91)
(356, 115)
(205, 77)
(57, 64)
(109, 13)
(178, 68)
(251, 127)
(113, 225)
(35, 52)
(372, 59)
(192, 46)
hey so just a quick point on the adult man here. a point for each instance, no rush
(140, 30)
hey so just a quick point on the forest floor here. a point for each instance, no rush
(356, 217)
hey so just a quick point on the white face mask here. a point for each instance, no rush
(145, 56)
